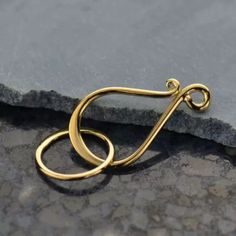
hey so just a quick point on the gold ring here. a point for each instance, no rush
(58, 135)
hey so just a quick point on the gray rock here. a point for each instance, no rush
(112, 203)
(54, 217)
(55, 52)
(190, 186)
(175, 210)
(220, 189)
(180, 211)
(206, 219)
(158, 232)
(191, 224)
(173, 223)
(121, 212)
(14, 138)
(232, 174)
(101, 198)
(5, 189)
(226, 226)
(199, 167)
(139, 219)
(230, 212)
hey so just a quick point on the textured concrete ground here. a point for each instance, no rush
(181, 186)
(75, 47)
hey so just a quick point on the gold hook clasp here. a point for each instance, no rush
(173, 90)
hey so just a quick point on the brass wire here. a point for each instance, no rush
(179, 96)
(75, 131)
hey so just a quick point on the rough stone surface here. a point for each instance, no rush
(74, 47)
(168, 192)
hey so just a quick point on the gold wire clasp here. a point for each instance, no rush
(75, 131)
(173, 90)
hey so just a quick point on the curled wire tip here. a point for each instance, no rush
(173, 85)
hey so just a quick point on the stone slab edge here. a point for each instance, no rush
(181, 122)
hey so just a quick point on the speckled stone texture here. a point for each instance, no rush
(74, 47)
(182, 185)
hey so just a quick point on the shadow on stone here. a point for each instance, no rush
(72, 191)
(139, 165)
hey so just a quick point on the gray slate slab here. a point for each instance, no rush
(74, 47)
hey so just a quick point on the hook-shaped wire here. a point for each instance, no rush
(179, 95)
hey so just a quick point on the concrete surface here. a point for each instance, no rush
(183, 185)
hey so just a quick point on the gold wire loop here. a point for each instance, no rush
(173, 86)
(179, 96)
(61, 134)
(205, 94)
